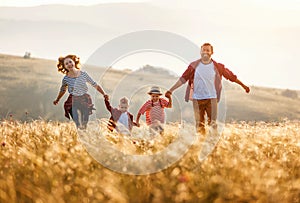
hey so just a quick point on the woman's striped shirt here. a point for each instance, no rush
(77, 86)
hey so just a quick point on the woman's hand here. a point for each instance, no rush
(55, 102)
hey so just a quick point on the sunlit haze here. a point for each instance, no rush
(257, 40)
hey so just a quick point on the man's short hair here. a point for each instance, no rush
(208, 44)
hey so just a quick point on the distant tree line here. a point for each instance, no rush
(27, 55)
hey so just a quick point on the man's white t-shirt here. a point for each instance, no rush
(204, 82)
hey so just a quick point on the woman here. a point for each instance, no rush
(79, 103)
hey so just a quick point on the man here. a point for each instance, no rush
(204, 86)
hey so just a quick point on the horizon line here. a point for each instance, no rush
(117, 69)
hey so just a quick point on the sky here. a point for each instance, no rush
(270, 4)
(286, 4)
(264, 33)
(22, 3)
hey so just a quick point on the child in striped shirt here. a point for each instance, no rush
(154, 108)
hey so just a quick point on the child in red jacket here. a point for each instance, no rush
(120, 119)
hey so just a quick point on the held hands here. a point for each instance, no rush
(168, 94)
(106, 97)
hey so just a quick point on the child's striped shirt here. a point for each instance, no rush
(154, 110)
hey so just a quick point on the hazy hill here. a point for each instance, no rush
(88, 26)
(30, 85)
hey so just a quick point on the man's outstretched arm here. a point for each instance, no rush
(174, 87)
(246, 88)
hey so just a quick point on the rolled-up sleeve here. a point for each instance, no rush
(228, 74)
(187, 74)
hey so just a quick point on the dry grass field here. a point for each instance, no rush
(252, 162)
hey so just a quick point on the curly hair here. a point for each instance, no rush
(60, 64)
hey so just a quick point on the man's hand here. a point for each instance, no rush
(246, 88)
